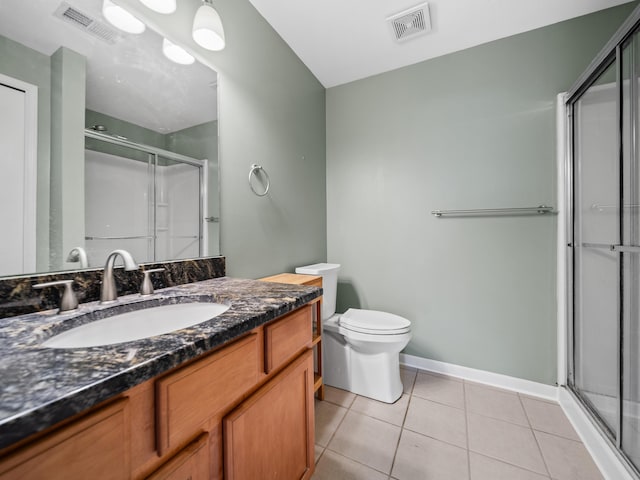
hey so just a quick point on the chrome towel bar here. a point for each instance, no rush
(539, 210)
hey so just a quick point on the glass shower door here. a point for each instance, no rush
(596, 268)
(605, 361)
(178, 209)
(118, 201)
(629, 437)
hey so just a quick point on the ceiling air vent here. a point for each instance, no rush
(90, 25)
(410, 23)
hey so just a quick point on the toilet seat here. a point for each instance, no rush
(373, 322)
(371, 331)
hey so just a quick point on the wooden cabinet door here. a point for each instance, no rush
(95, 446)
(192, 463)
(188, 397)
(270, 435)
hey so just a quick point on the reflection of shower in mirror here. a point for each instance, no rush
(148, 201)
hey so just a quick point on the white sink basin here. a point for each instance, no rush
(136, 325)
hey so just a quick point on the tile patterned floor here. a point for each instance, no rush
(443, 428)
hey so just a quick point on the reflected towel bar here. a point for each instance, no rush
(125, 237)
(539, 210)
(602, 208)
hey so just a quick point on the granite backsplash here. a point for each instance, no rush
(17, 297)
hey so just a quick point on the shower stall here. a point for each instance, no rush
(143, 199)
(603, 117)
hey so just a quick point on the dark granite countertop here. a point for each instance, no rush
(40, 386)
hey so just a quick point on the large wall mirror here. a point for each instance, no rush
(105, 142)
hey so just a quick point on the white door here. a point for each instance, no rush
(17, 177)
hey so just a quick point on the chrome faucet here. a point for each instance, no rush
(109, 293)
(78, 254)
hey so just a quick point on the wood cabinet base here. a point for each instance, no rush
(172, 428)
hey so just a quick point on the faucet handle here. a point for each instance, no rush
(69, 301)
(146, 288)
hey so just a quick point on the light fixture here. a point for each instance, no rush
(207, 28)
(120, 18)
(175, 53)
(160, 6)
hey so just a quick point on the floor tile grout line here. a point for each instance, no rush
(544, 461)
(333, 434)
(378, 419)
(557, 435)
(358, 462)
(440, 440)
(324, 449)
(519, 467)
(515, 394)
(466, 426)
(413, 383)
(404, 419)
(364, 415)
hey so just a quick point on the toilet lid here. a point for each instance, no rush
(372, 321)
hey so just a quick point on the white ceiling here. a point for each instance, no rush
(131, 80)
(345, 40)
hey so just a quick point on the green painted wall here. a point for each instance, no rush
(473, 129)
(271, 112)
(68, 84)
(131, 131)
(30, 66)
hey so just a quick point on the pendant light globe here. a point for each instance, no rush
(207, 28)
(121, 19)
(160, 6)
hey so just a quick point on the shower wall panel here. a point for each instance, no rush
(116, 205)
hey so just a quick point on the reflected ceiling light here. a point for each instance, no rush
(207, 28)
(120, 18)
(160, 6)
(175, 53)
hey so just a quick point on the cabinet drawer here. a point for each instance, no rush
(192, 463)
(286, 337)
(96, 446)
(188, 397)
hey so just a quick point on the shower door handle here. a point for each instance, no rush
(613, 248)
(625, 248)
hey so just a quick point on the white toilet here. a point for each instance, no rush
(360, 348)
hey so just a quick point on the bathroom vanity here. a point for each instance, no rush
(230, 398)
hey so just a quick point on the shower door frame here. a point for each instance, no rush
(610, 54)
(157, 153)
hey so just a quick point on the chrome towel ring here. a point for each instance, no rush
(252, 172)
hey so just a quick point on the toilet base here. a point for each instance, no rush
(348, 367)
(381, 383)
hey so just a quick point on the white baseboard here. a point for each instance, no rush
(535, 389)
(607, 460)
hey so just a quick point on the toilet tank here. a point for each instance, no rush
(329, 274)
